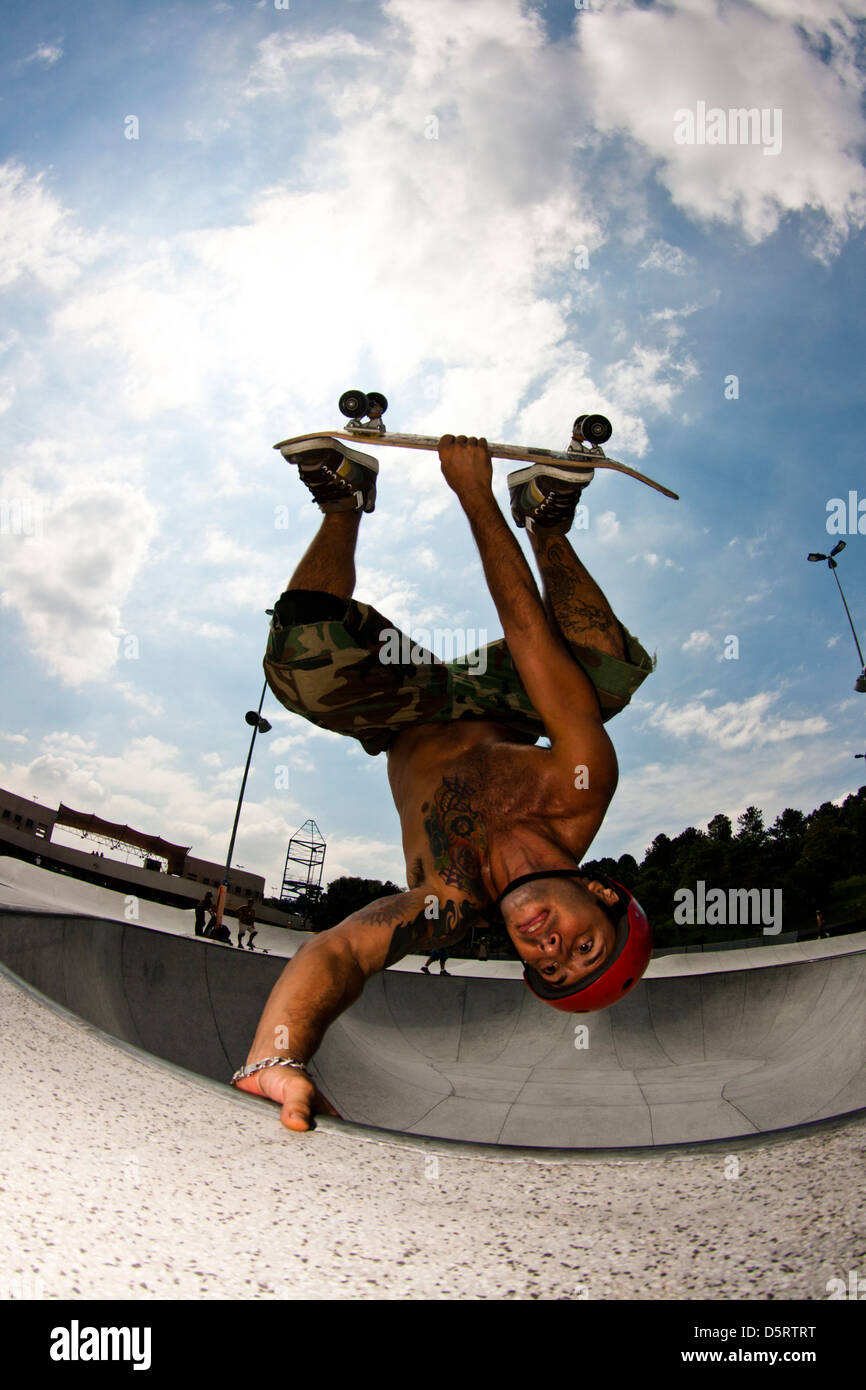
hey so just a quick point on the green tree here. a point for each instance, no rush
(829, 850)
(660, 855)
(789, 828)
(627, 871)
(346, 895)
(720, 828)
(751, 826)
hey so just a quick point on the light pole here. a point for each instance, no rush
(860, 683)
(259, 726)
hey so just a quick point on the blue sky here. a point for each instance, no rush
(395, 196)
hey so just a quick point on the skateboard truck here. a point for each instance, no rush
(356, 404)
(588, 433)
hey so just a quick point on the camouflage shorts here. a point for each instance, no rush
(345, 667)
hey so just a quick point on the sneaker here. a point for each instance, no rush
(544, 497)
(424, 970)
(341, 479)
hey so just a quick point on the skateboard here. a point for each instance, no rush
(364, 411)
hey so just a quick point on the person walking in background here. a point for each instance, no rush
(246, 923)
(439, 954)
(202, 907)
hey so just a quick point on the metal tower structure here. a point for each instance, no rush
(302, 875)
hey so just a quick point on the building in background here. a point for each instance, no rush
(159, 869)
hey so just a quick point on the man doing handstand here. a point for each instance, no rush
(491, 823)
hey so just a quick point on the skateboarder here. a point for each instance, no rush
(491, 824)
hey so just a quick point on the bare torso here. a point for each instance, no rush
(475, 807)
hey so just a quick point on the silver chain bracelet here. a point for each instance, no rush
(243, 1072)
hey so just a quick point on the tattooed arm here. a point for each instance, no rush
(329, 973)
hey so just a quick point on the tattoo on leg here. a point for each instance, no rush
(580, 611)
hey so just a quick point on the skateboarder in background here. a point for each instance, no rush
(491, 824)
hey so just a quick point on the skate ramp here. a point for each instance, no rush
(712, 1053)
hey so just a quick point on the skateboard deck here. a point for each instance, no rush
(518, 453)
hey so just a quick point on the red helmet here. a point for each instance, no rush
(619, 974)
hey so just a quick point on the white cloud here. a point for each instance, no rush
(735, 724)
(654, 560)
(205, 317)
(638, 67)
(606, 527)
(649, 377)
(697, 642)
(68, 579)
(366, 857)
(663, 256)
(46, 53)
(278, 54)
(38, 236)
(139, 699)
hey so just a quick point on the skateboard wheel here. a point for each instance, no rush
(353, 404)
(595, 428)
(375, 398)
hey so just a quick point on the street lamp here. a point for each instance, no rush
(860, 683)
(259, 725)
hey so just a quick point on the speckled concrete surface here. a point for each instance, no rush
(122, 1179)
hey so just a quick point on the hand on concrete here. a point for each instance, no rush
(291, 1089)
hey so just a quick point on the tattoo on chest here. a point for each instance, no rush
(457, 836)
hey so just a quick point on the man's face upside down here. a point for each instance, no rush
(559, 927)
